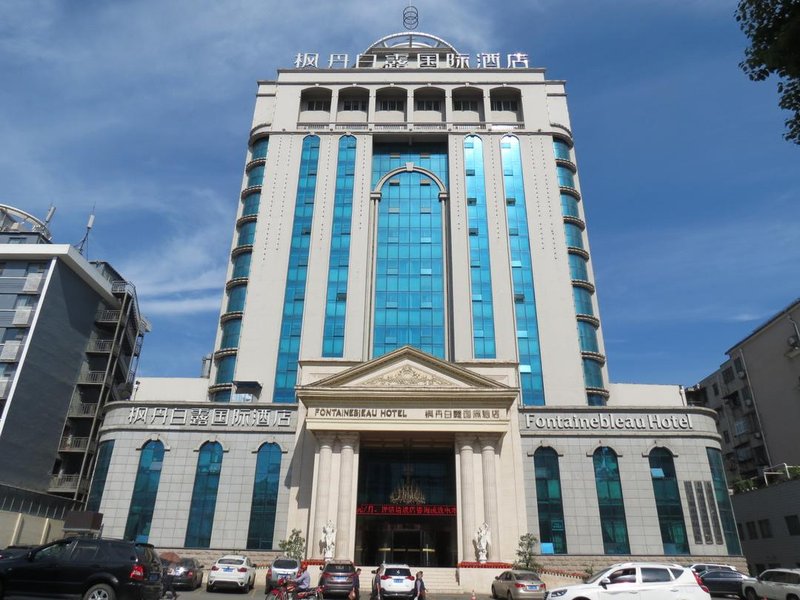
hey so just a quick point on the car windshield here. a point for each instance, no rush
(284, 563)
(339, 568)
(527, 575)
(596, 577)
(398, 572)
(230, 561)
(186, 562)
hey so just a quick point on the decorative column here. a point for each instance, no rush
(345, 512)
(467, 508)
(323, 486)
(488, 444)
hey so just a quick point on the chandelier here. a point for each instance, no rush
(407, 492)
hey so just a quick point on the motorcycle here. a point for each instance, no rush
(287, 590)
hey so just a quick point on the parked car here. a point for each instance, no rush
(280, 568)
(773, 584)
(187, 573)
(700, 567)
(87, 568)
(336, 578)
(15, 551)
(518, 585)
(646, 581)
(232, 571)
(723, 582)
(396, 581)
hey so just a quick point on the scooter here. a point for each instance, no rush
(287, 590)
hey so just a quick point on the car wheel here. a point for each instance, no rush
(750, 594)
(209, 587)
(494, 592)
(100, 591)
(509, 596)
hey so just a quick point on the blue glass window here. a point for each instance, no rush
(566, 178)
(225, 369)
(259, 148)
(222, 396)
(577, 268)
(241, 264)
(530, 361)
(583, 301)
(548, 500)
(247, 233)
(587, 334)
(145, 490)
(251, 203)
(204, 496)
(480, 272)
(338, 265)
(236, 297)
(569, 206)
(409, 264)
(265, 498)
(561, 150)
(230, 333)
(723, 501)
(104, 451)
(592, 373)
(294, 294)
(668, 502)
(255, 176)
(610, 501)
(574, 235)
(593, 399)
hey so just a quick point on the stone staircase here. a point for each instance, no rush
(441, 581)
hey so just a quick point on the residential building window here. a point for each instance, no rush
(504, 105)
(751, 530)
(324, 105)
(145, 490)
(204, 496)
(549, 500)
(428, 105)
(391, 105)
(610, 502)
(463, 105)
(727, 375)
(354, 105)
(765, 528)
(792, 524)
(265, 498)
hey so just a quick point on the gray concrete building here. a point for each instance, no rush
(756, 395)
(71, 335)
(410, 362)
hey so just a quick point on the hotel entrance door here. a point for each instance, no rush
(407, 546)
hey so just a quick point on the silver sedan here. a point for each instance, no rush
(518, 585)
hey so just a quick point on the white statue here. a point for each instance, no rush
(328, 539)
(482, 541)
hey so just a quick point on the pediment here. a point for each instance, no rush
(407, 368)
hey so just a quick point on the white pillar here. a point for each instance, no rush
(322, 484)
(345, 513)
(488, 444)
(467, 508)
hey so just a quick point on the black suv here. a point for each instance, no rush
(91, 569)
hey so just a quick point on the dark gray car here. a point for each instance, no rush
(723, 582)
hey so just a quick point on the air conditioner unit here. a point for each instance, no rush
(793, 341)
(741, 374)
(748, 402)
(757, 435)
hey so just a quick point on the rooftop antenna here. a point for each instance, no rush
(50, 212)
(84, 243)
(410, 17)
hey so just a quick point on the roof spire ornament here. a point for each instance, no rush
(410, 17)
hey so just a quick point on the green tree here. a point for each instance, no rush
(294, 546)
(526, 552)
(773, 27)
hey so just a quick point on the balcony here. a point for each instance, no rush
(67, 483)
(100, 346)
(74, 444)
(93, 377)
(83, 410)
(107, 316)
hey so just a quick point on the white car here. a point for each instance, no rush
(396, 581)
(773, 584)
(640, 581)
(232, 571)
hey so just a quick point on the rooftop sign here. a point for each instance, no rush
(419, 59)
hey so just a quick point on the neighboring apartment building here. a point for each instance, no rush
(410, 345)
(756, 394)
(71, 335)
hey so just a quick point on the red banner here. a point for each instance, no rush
(407, 510)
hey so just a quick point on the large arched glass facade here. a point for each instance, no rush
(265, 498)
(145, 490)
(668, 502)
(610, 501)
(548, 500)
(409, 264)
(204, 496)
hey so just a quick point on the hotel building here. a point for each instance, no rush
(410, 344)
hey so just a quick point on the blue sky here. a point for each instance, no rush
(142, 108)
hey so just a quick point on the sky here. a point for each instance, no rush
(139, 110)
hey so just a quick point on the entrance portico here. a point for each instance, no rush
(410, 456)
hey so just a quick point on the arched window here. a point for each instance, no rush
(265, 498)
(610, 501)
(548, 500)
(204, 496)
(145, 490)
(668, 502)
